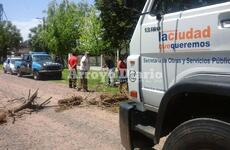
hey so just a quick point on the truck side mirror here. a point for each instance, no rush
(159, 16)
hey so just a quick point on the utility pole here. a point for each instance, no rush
(1, 12)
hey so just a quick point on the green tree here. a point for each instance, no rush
(91, 33)
(118, 22)
(37, 39)
(62, 27)
(10, 38)
(60, 30)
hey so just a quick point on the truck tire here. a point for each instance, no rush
(4, 70)
(200, 134)
(59, 76)
(36, 75)
(19, 73)
(11, 72)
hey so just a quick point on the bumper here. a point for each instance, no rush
(125, 124)
(50, 72)
(14, 70)
(137, 129)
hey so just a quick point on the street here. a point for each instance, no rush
(78, 128)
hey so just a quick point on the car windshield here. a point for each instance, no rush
(14, 60)
(42, 58)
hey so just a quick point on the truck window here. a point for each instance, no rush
(29, 58)
(139, 4)
(190, 4)
(25, 57)
(41, 58)
(171, 6)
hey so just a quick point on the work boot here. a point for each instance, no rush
(74, 83)
(81, 83)
(70, 83)
(85, 85)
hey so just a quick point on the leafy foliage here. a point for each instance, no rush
(91, 33)
(80, 27)
(10, 37)
(118, 22)
(37, 40)
(69, 27)
(59, 30)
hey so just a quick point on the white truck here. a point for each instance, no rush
(179, 76)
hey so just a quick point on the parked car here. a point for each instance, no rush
(11, 65)
(39, 64)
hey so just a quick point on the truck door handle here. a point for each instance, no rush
(225, 23)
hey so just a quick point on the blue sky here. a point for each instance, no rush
(23, 13)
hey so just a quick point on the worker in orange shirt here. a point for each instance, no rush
(72, 66)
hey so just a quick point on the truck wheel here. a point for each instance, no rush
(4, 70)
(59, 76)
(11, 72)
(36, 75)
(19, 73)
(200, 134)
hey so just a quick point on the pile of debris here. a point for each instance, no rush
(28, 106)
(107, 101)
(67, 103)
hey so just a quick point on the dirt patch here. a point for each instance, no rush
(85, 128)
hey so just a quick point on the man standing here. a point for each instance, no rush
(111, 71)
(84, 68)
(72, 65)
(122, 69)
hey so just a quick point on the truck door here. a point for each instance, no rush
(25, 66)
(8, 64)
(204, 44)
(156, 71)
(29, 64)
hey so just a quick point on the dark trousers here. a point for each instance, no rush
(72, 83)
(72, 78)
(83, 80)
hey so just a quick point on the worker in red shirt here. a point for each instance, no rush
(72, 65)
(122, 75)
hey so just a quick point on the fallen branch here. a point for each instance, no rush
(3, 116)
(68, 103)
(30, 105)
(75, 100)
(113, 98)
(16, 99)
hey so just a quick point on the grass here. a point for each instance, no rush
(96, 81)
